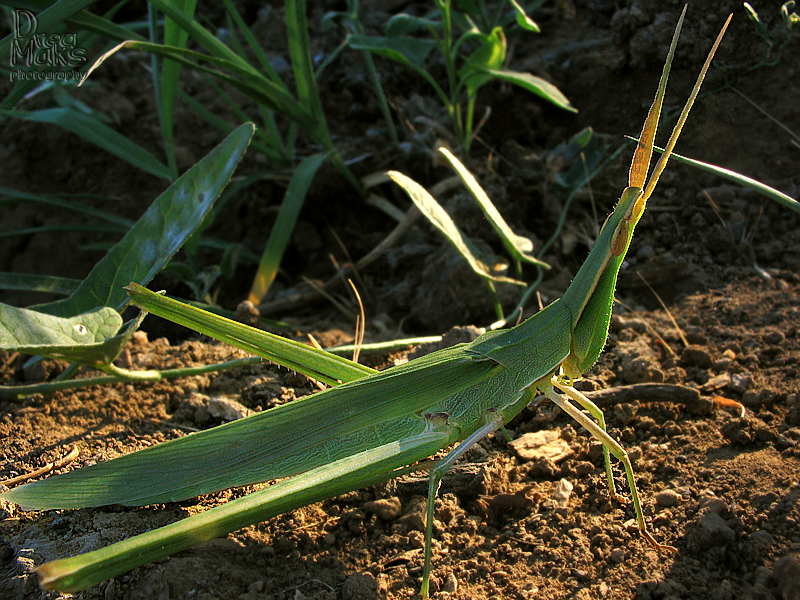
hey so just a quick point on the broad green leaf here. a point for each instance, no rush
(408, 51)
(517, 246)
(523, 20)
(485, 266)
(159, 233)
(282, 231)
(537, 85)
(401, 25)
(98, 134)
(490, 54)
(87, 338)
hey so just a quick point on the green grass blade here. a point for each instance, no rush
(269, 132)
(263, 59)
(38, 283)
(202, 36)
(267, 139)
(87, 22)
(12, 196)
(300, 53)
(63, 228)
(484, 266)
(282, 231)
(305, 359)
(306, 83)
(159, 233)
(519, 247)
(98, 134)
(175, 36)
(743, 180)
(254, 85)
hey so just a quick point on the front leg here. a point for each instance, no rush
(609, 445)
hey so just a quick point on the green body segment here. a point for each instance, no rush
(286, 440)
(590, 296)
(545, 338)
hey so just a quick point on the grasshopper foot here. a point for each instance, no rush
(622, 499)
(659, 547)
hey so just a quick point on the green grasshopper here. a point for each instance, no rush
(375, 425)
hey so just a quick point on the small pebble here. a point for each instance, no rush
(697, 356)
(617, 555)
(711, 531)
(387, 509)
(450, 584)
(714, 504)
(247, 313)
(227, 409)
(668, 498)
(25, 564)
(562, 493)
(537, 445)
(776, 338)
